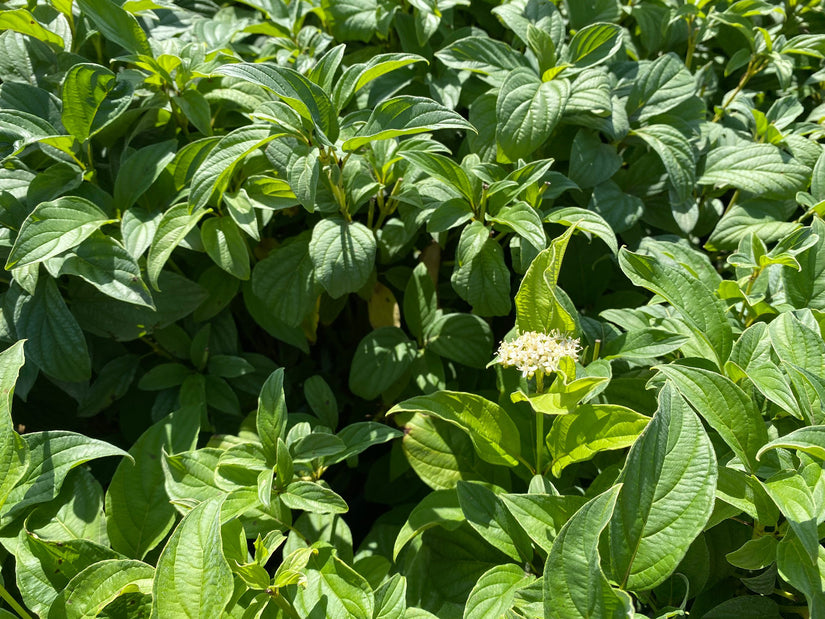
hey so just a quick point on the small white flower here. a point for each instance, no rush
(532, 352)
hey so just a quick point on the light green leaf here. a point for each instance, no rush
(85, 87)
(297, 91)
(725, 407)
(589, 429)
(52, 455)
(810, 440)
(90, 591)
(271, 418)
(359, 75)
(313, 497)
(53, 227)
(215, 172)
(173, 227)
(542, 515)
(493, 433)
(20, 20)
(480, 54)
(302, 175)
(494, 593)
(339, 589)
(343, 255)
(380, 359)
(792, 495)
(192, 578)
(116, 25)
(14, 452)
(138, 512)
(525, 221)
(594, 44)
(659, 86)
(527, 110)
(760, 169)
(586, 221)
(56, 343)
(667, 495)
(642, 344)
(806, 287)
(574, 584)
(443, 169)
(405, 115)
(225, 244)
(796, 568)
(391, 598)
(703, 312)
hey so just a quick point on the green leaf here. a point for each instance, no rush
(285, 281)
(405, 115)
(420, 301)
(215, 172)
(594, 44)
(703, 312)
(380, 359)
(116, 25)
(14, 453)
(754, 554)
(93, 589)
(574, 584)
(52, 228)
(494, 593)
(56, 343)
(494, 435)
(391, 598)
(806, 287)
(760, 169)
(659, 86)
(480, 54)
(725, 407)
(85, 87)
(796, 568)
(488, 516)
(105, 263)
(312, 497)
(810, 440)
(586, 221)
(443, 169)
(481, 276)
(795, 500)
(360, 436)
(591, 161)
(439, 508)
(138, 512)
(140, 170)
(358, 20)
(542, 515)
(295, 90)
(271, 418)
(591, 428)
(173, 227)
(343, 255)
(334, 587)
(359, 75)
(225, 244)
(20, 20)
(525, 221)
(667, 496)
(527, 110)
(76, 513)
(676, 154)
(302, 175)
(52, 455)
(192, 577)
(464, 338)
(642, 344)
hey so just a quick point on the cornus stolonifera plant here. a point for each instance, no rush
(258, 256)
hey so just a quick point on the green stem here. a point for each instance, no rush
(21, 612)
(754, 67)
(539, 423)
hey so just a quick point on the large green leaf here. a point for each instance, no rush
(574, 584)
(93, 589)
(85, 87)
(481, 276)
(334, 587)
(676, 154)
(343, 255)
(806, 287)
(795, 500)
(225, 244)
(527, 110)
(660, 85)
(464, 338)
(138, 512)
(725, 407)
(589, 429)
(271, 417)
(116, 24)
(405, 115)
(486, 513)
(760, 169)
(594, 44)
(493, 433)
(668, 489)
(810, 440)
(297, 91)
(56, 343)
(443, 169)
(701, 309)
(495, 591)
(140, 170)
(480, 54)
(357, 76)
(193, 578)
(53, 227)
(216, 170)
(380, 359)
(14, 452)
(20, 20)
(173, 227)
(796, 568)
(52, 455)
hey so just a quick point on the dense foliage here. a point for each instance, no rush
(259, 256)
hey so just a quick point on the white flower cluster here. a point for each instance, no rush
(532, 352)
